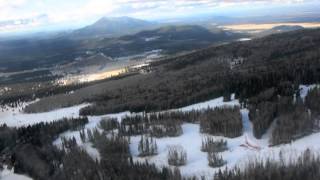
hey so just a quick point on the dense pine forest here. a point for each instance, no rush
(30, 151)
(306, 167)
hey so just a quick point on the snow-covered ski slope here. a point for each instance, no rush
(14, 117)
(7, 174)
(241, 149)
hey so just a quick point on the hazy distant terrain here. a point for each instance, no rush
(266, 26)
(40, 58)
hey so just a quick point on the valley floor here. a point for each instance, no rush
(260, 27)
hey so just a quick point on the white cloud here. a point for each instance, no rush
(13, 3)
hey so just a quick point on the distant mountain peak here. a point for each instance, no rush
(123, 20)
(114, 26)
(119, 18)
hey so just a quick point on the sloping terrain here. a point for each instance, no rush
(280, 29)
(246, 68)
(30, 53)
(250, 105)
(35, 53)
(240, 150)
(169, 39)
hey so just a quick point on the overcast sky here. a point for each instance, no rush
(70, 10)
(87, 11)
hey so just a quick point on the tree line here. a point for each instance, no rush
(292, 116)
(29, 150)
(305, 167)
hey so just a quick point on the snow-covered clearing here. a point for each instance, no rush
(218, 102)
(241, 149)
(14, 117)
(191, 141)
(304, 90)
(7, 174)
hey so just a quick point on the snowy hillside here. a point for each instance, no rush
(14, 117)
(7, 174)
(240, 150)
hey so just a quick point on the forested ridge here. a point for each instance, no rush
(205, 74)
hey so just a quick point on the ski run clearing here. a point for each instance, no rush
(7, 174)
(14, 117)
(240, 150)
